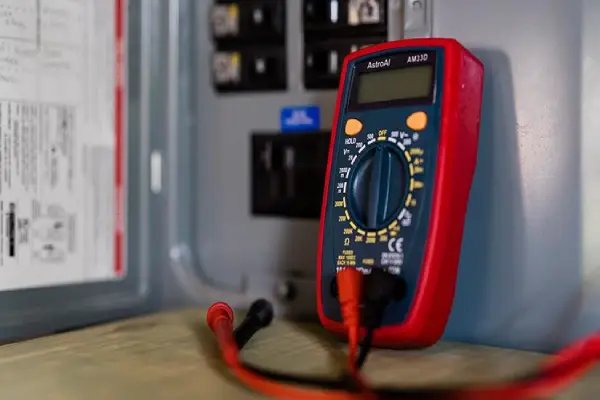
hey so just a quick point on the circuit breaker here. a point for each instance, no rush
(346, 25)
(353, 17)
(323, 60)
(249, 69)
(248, 21)
(249, 45)
(288, 173)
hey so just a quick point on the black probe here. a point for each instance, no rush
(259, 316)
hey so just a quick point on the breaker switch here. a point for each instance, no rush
(323, 61)
(250, 69)
(251, 22)
(344, 18)
(288, 173)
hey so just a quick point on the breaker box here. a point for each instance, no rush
(135, 179)
(536, 148)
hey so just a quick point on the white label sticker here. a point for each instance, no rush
(61, 142)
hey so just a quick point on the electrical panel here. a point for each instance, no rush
(333, 29)
(248, 45)
(517, 235)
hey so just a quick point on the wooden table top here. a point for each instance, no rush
(173, 356)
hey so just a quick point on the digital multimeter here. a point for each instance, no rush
(402, 156)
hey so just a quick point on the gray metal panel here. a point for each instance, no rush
(532, 221)
(521, 277)
(26, 313)
(211, 234)
(590, 165)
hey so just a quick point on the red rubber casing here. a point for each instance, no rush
(457, 156)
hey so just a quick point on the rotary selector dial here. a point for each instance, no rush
(377, 187)
(377, 195)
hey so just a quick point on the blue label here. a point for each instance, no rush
(300, 119)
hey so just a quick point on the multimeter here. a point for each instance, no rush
(401, 161)
(402, 155)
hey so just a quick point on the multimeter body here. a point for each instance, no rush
(402, 156)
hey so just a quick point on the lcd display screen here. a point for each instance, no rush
(395, 84)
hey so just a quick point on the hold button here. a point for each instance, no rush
(353, 127)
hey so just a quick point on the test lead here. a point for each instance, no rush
(555, 374)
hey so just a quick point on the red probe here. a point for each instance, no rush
(555, 374)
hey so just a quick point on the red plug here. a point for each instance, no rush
(349, 282)
(219, 313)
(219, 318)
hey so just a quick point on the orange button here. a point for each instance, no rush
(353, 127)
(417, 121)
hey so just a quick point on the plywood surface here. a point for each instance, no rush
(173, 356)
